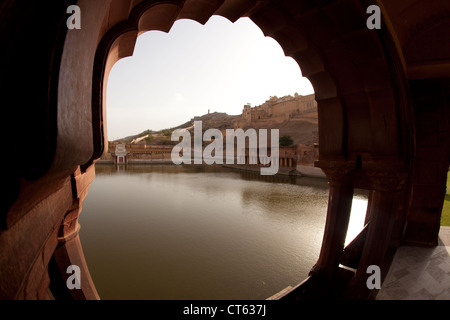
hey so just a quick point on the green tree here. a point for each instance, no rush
(165, 142)
(146, 133)
(286, 141)
(150, 139)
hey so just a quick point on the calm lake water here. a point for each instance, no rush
(169, 232)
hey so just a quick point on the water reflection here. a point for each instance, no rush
(169, 232)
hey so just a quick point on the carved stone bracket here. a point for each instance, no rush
(339, 173)
(381, 177)
(385, 178)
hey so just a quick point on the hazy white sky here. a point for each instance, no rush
(219, 66)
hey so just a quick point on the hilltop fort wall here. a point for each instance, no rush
(276, 110)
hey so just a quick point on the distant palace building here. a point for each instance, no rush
(276, 110)
(271, 114)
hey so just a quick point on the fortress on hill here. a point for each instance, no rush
(295, 116)
(276, 111)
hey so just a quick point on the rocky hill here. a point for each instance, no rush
(216, 120)
(302, 129)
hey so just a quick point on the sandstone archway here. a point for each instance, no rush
(382, 95)
(358, 106)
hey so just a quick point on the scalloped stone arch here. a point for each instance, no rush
(355, 82)
(363, 103)
(120, 40)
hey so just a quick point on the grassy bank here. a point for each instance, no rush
(445, 219)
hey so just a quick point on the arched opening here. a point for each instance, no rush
(119, 42)
(342, 149)
(260, 234)
(195, 69)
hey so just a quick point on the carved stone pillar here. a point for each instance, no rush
(340, 179)
(384, 200)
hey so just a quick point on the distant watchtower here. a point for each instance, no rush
(246, 114)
